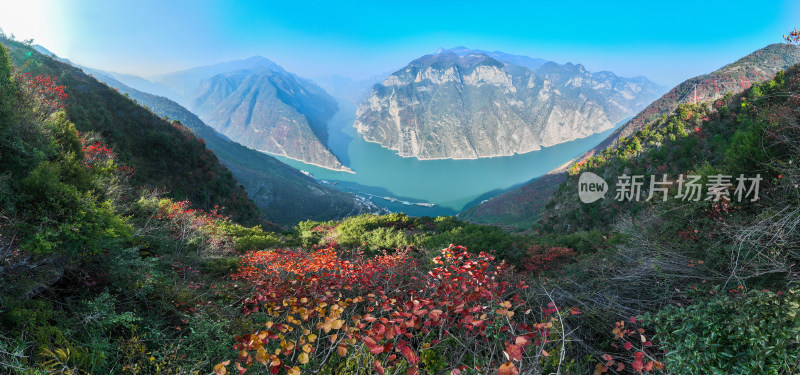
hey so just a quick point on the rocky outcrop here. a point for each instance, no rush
(523, 206)
(465, 104)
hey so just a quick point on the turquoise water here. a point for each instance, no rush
(451, 185)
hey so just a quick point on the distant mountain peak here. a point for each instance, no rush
(525, 204)
(466, 104)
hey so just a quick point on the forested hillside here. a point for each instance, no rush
(164, 156)
(283, 194)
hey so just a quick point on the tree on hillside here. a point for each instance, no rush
(793, 38)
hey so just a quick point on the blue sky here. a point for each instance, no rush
(667, 41)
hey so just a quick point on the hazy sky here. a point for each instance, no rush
(667, 41)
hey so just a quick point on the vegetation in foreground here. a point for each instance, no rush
(100, 275)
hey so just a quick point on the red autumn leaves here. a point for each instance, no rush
(641, 362)
(333, 301)
(43, 94)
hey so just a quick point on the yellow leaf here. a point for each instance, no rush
(303, 358)
(312, 337)
(337, 324)
(307, 348)
(275, 361)
(262, 356)
(220, 369)
(294, 371)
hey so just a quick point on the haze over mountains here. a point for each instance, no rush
(467, 104)
(270, 110)
(457, 103)
(283, 194)
(253, 102)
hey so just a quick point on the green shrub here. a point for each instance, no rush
(752, 333)
(245, 238)
(221, 267)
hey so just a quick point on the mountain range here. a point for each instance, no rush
(254, 102)
(466, 104)
(283, 194)
(524, 205)
(270, 110)
(457, 103)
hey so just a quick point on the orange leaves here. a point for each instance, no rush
(262, 357)
(508, 368)
(330, 323)
(514, 352)
(338, 301)
(220, 369)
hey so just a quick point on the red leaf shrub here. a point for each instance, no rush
(541, 259)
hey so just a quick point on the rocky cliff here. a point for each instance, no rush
(523, 206)
(466, 104)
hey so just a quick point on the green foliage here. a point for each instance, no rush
(449, 230)
(385, 238)
(433, 360)
(59, 200)
(387, 232)
(582, 242)
(756, 332)
(163, 155)
(221, 266)
(245, 239)
(8, 89)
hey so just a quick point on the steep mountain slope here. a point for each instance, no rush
(258, 104)
(270, 110)
(732, 78)
(523, 206)
(465, 104)
(164, 156)
(283, 194)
